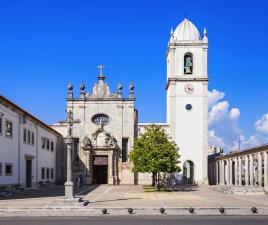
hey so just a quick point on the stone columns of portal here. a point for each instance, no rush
(246, 171)
(236, 171)
(259, 169)
(251, 170)
(240, 171)
(265, 158)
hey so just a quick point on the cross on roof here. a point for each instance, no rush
(101, 67)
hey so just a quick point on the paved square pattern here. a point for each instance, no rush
(134, 196)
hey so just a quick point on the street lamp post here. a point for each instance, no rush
(69, 185)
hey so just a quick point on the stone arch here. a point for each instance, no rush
(188, 172)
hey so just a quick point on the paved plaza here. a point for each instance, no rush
(135, 196)
(125, 196)
(117, 199)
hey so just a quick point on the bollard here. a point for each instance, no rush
(162, 210)
(104, 211)
(191, 210)
(130, 210)
(221, 210)
(85, 203)
(254, 210)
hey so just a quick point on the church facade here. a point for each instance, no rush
(109, 122)
(105, 133)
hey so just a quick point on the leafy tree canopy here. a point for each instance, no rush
(154, 152)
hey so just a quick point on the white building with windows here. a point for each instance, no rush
(28, 148)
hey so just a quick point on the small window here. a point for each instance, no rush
(24, 135)
(43, 175)
(0, 169)
(52, 173)
(47, 170)
(29, 137)
(33, 138)
(0, 124)
(9, 129)
(43, 143)
(9, 169)
(47, 144)
(188, 63)
(124, 149)
(52, 146)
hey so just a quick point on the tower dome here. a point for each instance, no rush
(186, 31)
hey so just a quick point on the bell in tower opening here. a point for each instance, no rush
(188, 63)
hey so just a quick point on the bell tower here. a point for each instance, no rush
(187, 101)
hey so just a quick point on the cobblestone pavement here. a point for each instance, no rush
(134, 196)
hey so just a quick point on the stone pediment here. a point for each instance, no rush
(101, 90)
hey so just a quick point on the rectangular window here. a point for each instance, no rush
(9, 169)
(47, 173)
(32, 138)
(52, 146)
(43, 143)
(47, 144)
(24, 135)
(0, 169)
(29, 137)
(52, 173)
(9, 129)
(124, 149)
(43, 173)
(0, 124)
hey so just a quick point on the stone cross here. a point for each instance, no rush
(101, 67)
(69, 192)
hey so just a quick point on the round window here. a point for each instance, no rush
(188, 107)
(100, 119)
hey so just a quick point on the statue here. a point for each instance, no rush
(87, 143)
(188, 67)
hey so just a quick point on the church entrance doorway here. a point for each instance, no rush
(188, 172)
(100, 169)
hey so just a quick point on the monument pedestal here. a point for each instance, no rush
(69, 190)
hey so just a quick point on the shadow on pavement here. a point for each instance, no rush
(54, 191)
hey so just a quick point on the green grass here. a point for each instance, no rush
(148, 188)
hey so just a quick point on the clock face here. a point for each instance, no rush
(189, 88)
(100, 119)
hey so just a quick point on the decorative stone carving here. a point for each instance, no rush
(119, 90)
(103, 139)
(86, 143)
(131, 90)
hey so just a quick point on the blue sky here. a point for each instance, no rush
(46, 44)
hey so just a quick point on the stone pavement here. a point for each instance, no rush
(134, 196)
(117, 199)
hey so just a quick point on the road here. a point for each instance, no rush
(141, 220)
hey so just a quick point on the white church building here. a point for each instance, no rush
(109, 121)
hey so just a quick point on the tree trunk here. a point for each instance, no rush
(154, 180)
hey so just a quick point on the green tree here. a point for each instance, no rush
(153, 152)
